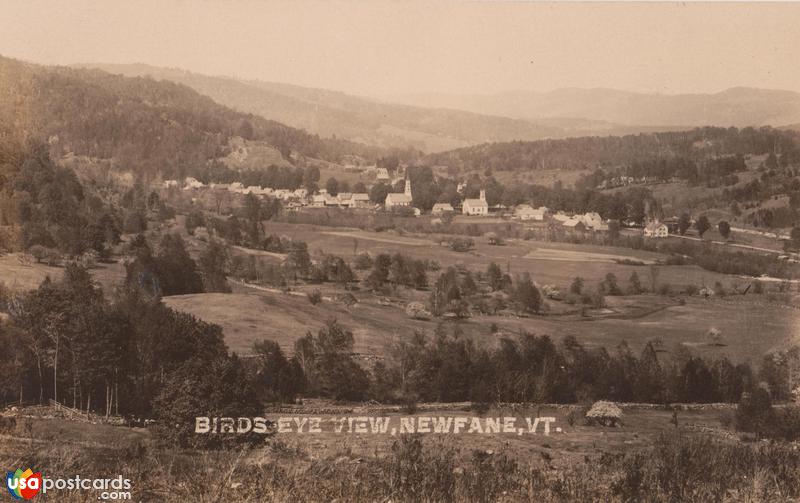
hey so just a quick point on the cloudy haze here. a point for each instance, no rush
(385, 48)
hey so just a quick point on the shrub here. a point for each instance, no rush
(461, 244)
(417, 311)
(314, 296)
(754, 414)
(362, 262)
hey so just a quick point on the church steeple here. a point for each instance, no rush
(408, 187)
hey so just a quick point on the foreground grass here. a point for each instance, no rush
(679, 466)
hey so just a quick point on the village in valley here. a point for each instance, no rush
(299, 199)
(400, 253)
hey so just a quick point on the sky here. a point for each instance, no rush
(382, 48)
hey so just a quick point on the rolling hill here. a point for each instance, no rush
(738, 106)
(336, 114)
(140, 124)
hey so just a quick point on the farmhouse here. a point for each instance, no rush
(360, 200)
(592, 220)
(318, 201)
(193, 183)
(441, 208)
(526, 212)
(574, 224)
(476, 206)
(344, 198)
(656, 229)
(398, 200)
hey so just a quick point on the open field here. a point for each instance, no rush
(560, 448)
(516, 255)
(750, 326)
(21, 274)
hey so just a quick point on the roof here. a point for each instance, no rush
(443, 206)
(477, 203)
(525, 209)
(360, 196)
(572, 222)
(654, 225)
(398, 198)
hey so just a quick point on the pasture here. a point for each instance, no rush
(547, 262)
(750, 326)
(21, 273)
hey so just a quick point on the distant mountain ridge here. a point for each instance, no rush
(367, 120)
(737, 106)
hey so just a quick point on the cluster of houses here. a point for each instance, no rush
(237, 188)
(590, 221)
(323, 199)
(624, 181)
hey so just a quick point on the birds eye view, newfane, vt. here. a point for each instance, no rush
(257, 251)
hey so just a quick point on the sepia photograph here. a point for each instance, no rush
(433, 251)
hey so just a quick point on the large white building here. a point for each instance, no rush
(656, 229)
(476, 206)
(399, 200)
(441, 208)
(526, 212)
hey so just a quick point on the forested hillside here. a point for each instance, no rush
(143, 125)
(336, 114)
(614, 151)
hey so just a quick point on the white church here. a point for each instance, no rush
(399, 200)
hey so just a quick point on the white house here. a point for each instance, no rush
(476, 206)
(344, 198)
(440, 208)
(193, 183)
(575, 224)
(398, 200)
(360, 200)
(656, 229)
(170, 183)
(383, 175)
(526, 212)
(318, 201)
(592, 220)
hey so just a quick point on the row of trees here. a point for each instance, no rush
(450, 367)
(129, 355)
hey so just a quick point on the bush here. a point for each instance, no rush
(314, 296)
(362, 262)
(754, 414)
(461, 244)
(417, 311)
